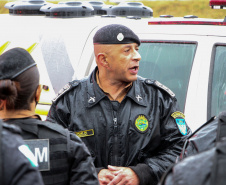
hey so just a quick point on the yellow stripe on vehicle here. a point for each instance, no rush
(32, 47)
(3, 47)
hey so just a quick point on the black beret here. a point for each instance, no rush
(115, 34)
(14, 62)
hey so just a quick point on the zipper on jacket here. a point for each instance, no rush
(115, 147)
(115, 126)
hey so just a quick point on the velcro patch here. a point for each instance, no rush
(85, 133)
(40, 149)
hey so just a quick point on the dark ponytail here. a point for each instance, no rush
(8, 92)
(20, 91)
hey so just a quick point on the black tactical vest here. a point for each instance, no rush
(59, 147)
(12, 129)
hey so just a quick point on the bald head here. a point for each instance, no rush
(103, 49)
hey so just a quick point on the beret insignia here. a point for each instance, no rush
(120, 37)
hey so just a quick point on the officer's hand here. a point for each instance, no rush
(123, 176)
(105, 176)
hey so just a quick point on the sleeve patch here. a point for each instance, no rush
(178, 114)
(180, 121)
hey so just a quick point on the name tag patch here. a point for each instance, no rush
(85, 133)
(40, 149)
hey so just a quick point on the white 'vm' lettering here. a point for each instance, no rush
(40, 156)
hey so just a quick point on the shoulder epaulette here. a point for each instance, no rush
(66, 88)
(159, 85)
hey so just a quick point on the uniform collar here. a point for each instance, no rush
(95, 94)
(137, 94)
(120, 96)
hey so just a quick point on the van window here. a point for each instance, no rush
(170, 63)
(218, 85)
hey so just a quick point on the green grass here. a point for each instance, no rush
(182, 8)
(176, 8)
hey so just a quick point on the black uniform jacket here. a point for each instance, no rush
(73, 166)
(15, 167)
(140, 132)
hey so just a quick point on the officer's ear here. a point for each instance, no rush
(102, 60)
(38, 93)
(2, 104)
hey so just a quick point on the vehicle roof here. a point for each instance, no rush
(41, 23)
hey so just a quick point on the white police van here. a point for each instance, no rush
(188, 54)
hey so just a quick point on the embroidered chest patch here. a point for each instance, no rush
(85, 133)
(141, 123)
(181, 124)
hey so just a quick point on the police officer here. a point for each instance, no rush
(62, 156)
(203, 158)
(16, 166)
(131, 125)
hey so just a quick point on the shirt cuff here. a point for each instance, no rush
(144, 174)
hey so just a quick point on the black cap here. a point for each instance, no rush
(14, 62)
(115, 34)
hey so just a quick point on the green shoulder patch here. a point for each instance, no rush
(180, 121)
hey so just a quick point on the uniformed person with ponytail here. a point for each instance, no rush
(17, 164)
(62, 156)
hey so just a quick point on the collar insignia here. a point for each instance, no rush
(138, 97)
(92, 99)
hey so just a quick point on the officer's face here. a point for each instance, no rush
(123, 60)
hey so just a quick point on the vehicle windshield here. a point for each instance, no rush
(218, 85)
(170, 63)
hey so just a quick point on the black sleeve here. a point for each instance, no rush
(59, 112)
(17, 168)
(82, 170)
(172, 140)
(143, 172)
